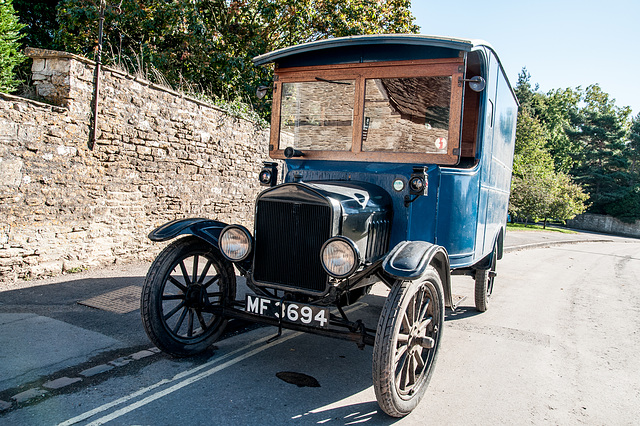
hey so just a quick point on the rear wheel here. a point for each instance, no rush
(484, 284)
(185, 281)
(407, 342)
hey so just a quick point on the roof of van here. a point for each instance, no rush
(366, 48)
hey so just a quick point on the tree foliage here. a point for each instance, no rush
(588, 138)
(10, 55)
(209, 44)
(538, 191)
(39, 19)
(602, 163)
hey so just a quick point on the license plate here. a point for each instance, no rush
(297, 313)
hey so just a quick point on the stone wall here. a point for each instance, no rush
(66, 205)
(605, 224)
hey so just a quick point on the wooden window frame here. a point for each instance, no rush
(361, 72)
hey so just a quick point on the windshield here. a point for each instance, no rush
(317, 115)
(382, 112)
(407, 114)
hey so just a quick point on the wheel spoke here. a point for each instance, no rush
(406, 371)
(424, 324)
(190, 324)
(215, 294)
(405, 322)
(425, 307)
(173, 297)
(174, 310)
(185, 274)
(403, 338)
(399, 353)
(411, 313)
(402, 376)
(211, 281)
(412, 371)
(177, 284)
(205, 271)
(417, 306)
(201, 320)
(419, 360)
(195, 268)
(180, 321)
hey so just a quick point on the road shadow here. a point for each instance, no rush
(461, 312)
(59, 301)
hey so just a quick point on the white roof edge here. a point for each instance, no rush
(417, 39)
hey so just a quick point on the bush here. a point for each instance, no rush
(10, 55)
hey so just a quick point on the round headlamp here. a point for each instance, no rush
(340, 257)
(235, 243)
(265, 177)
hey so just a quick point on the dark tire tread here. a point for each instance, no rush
(481, 295)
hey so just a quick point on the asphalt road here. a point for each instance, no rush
(558, 345)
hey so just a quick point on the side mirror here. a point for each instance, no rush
(477, 83)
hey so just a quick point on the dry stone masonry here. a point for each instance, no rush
(158, 156)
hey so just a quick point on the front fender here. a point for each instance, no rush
(410, 259)
(205, 229)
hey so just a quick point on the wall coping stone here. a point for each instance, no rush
(34, 52)
(14, 98)
(37, 53)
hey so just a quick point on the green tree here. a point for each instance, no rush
(554, 111)
(568, 199)
(530, 151)
(538, 191)
(209, 44)
(532, 170)
(602, 162)
(39, 18)
(10, 56)
(627, 208)
(633, 150)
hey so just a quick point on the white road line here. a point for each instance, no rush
(190, 380)
(184, 383)
(179, 376)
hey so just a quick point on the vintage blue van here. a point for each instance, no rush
(392, 164)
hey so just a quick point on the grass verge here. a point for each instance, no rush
(535, 227)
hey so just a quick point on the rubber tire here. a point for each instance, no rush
(484, 284)
(389, 325)
(151, 307)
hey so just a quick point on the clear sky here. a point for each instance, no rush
(563, 43)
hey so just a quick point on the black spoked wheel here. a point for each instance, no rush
(185, 281)
(407, 341)
(484, 284)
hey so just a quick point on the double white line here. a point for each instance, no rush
(181, 380)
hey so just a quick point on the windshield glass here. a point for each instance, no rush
(407, 114)
(317, 115)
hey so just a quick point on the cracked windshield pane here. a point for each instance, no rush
(407, 114)
(317, 115)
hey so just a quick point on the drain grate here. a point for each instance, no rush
(121, 301)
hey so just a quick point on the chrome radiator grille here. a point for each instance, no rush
(289, 236)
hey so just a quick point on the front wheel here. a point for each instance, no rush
(407, 342)
(185, 281)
